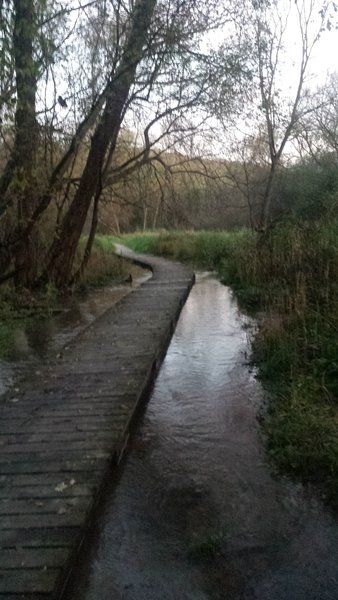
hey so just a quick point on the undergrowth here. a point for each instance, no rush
(103, 264)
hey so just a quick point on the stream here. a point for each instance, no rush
(195, 512)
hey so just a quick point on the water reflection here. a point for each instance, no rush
(196, 513)
(34, 340)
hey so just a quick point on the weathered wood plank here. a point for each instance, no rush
(72, 518)
(52, 479)
(39, 538)
(58, 436)
(28, 580)
(73, 448)
(62, 426)
(31, 505)
(33, 558)
(37, 492)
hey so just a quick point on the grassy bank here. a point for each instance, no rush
(103, 265)
(292, 275)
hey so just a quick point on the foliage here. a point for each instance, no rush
(202, 248)
(296, 347)
(310, 188)
(103, 265)
(145, 242)
(74, 74)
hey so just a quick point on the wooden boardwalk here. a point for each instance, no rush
(65, 427)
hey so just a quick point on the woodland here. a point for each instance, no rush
(122, 115)
(209, 124)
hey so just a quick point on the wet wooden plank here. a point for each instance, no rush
(39, 538)
(71, 518)
(45, 448)
(62, 426)
(37, 492)
(58, 437)
(28, 580)
(31, 505)
(33, 558)
(47, 467)
(51, 479)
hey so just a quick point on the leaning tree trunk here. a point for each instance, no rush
(89, 245)
(62, 253)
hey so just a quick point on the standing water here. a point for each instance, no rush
(196, 513)
(35, 340)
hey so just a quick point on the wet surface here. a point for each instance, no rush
(34, 340)
(195, 513)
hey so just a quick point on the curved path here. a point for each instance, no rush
(64, 428)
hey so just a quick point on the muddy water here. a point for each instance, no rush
(35, 340)
(196, 513)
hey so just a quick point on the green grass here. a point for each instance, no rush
(140, 242)
(103, 265)
(301, 429)
(202, 248)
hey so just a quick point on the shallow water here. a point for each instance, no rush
(35, 340)
(196, 513)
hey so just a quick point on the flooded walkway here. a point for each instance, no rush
(196, 513)
(67, 422)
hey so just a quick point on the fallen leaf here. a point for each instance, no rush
(61, 487)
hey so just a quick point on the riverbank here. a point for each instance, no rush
(68, 422)
(290, 277)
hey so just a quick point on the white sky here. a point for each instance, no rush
(325, 56)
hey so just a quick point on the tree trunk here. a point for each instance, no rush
(156, 213)
(90, 241)
(63, 249)
(145, 212)
(117, 224)
(19, 177)
(267, 198)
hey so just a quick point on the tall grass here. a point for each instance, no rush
(103, 264)
(200, 248)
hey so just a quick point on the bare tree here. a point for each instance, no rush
(147, 59)
(318, 131)
(281, 113)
